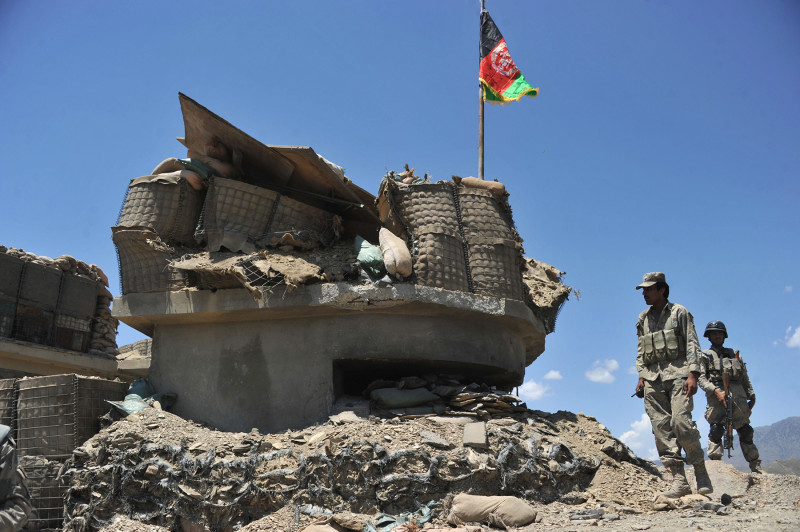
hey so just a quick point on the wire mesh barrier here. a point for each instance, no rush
(256, 277)
(50, 417)
(144, 261)
(44, 305)
(242, 217)
(57, 413)
(47, 490)
(461, 238)
(166, 204)
(8, 402)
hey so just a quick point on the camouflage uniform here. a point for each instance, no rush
(15, 506)
(668, 351)
(712, 363)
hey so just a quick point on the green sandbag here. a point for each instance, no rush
(370, 257)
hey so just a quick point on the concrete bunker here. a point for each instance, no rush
(271, 285)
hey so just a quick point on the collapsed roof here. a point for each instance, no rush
(296, 171)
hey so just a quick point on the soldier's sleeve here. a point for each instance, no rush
(15, 508)
(748, 386)
(693, 352)
(702, 381)
(639, 362)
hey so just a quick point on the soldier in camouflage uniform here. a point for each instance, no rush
(668, 367)
(15, 506)
(714, 363)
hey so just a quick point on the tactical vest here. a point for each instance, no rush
(730, 364)
(663, 345)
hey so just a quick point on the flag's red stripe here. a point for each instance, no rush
(497, 69)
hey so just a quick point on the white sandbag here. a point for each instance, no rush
(396, 256)
(497, 510)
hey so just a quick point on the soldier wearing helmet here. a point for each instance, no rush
(668, 367)
(714, 363)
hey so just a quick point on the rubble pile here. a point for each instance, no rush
(546, 290)
(158, 469)
(265, 269)
(103, 328)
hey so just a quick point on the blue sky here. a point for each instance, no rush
(664, 138)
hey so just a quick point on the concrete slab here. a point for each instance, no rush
(475, 435)
(452, 420)
(36, 359)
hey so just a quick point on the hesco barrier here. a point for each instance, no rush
(167, 205)
(47, 491)
(242, 217)
(57, 413)
(50, 417)
(44, 305)
(461, 238)
(144, 261)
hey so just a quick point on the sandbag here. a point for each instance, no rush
(396, 256)
(498, 510)
(370, 256)
(395, 398)
(493, 186)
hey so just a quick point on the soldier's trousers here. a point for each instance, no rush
(715, 413)
(670, 413)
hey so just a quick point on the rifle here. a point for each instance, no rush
(727, 438)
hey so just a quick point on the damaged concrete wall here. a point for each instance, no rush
(277, 373)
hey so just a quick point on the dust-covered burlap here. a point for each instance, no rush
(144, 261)
(461, 238)
(243, 217)
(497, 510)
(166, 204)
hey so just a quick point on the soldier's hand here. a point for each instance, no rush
(720, 396)
(639, 388)
(751, 403)
(690, 385)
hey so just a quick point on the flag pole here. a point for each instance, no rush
(480, 109)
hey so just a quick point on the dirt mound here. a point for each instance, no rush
(157, 472)
(159, 469)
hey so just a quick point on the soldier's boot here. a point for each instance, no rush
(704, 486)
(715, 450)
(755, 467)
(679, 486)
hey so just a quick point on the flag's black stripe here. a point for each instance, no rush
(490, 35)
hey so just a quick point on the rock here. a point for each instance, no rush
(708, 505)
(434, 440)
(591, 513)
(345, 417)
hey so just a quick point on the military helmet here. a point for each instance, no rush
(715, 326)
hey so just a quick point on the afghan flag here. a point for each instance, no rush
(501, 79)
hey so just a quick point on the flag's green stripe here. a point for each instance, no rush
(519, 88)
